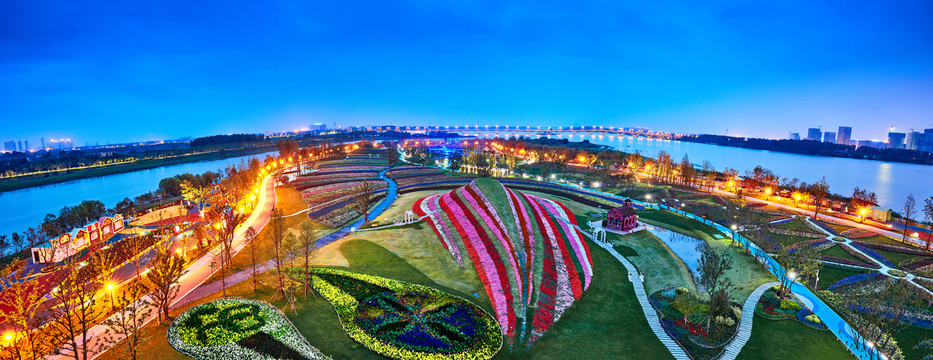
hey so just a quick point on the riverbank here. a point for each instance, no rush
(69, 175)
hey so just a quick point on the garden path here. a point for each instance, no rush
(391, 195)
(745, 326)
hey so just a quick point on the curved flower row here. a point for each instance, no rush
(517, 274)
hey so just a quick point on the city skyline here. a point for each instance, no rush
(99, 72)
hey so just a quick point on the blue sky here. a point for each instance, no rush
(101, 71)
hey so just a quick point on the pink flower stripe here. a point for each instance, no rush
(565, 290)
(562, 257)
(484, 264)
(529, 240)
(547, 291)
(327, 188)
(572, 237)
(573, 220)
(478, 193)
(440, 226)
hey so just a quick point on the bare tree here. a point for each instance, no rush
(308, 245)
(126, 325)
(819, 191)
(167, 268)
(76, 310)
(363, 195)
(278, 237)
(910, 207)
(231, 219)
(250, 237)
(22, 299)
(928, 213)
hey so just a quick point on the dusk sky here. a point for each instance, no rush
(99, 71)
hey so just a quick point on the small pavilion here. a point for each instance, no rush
(622, 218)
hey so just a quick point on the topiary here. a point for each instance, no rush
(682, 290)
(812, 318)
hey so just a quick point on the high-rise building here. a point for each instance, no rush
(829, 137)
(795, 136)
(26, 145)
(9, 145)
(896, 140)
(814, 134)
(318, 127)
(913, 140)
(844, 135)
(925, 142)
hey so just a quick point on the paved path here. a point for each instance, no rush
(200, 270)
(745, 326)
(650, 314)
(391, 195)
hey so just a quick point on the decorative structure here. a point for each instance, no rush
(409, 216)
(68, 244)
(622, 218)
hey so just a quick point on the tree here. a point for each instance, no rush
(363, 199)
(686, 171)
(278, 238)
(709, 174)
(167, 268)
(926, 346)
(231, 219)
(684, 304)
(819, 191)
(730, 174)
(170, 187)
(885, 310)
(711, 274)
(308, 245)
(634, 162)
(76, 310)
(4, 245)
(862, 200)
(910, 207)
(250, 236)
(928, 213)
(21, 299)
(126, 324)
(193, 193)
(125, 206)
(390, 154)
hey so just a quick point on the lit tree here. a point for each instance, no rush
(167, 268)
(730, 174)
(862, 200)
(634, 162)
(76, 310)
(910, 207)
(126, 324)
(250, 236)
(709, 174)
(193, 193)
(308, 245)
(278, 238)
(21, 299)
(231, 219)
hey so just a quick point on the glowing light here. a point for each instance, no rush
(8, 336)
(109, 287)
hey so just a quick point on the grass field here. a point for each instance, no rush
(909, 337)
(837, 251)
(830, 275)
(662, 268)
(789, 339)
(797, 224)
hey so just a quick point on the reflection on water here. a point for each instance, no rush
(27, 207)
(685, 247)
(892, 182)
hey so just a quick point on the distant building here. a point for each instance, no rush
(844, 135)
(896, 140)
(925, 143)
(26, 145)
(319, 127)
(795, 136)
(829, 137)
(9, 145)
(20, 144)
(814, 134)
(913, 140)
(870, 143)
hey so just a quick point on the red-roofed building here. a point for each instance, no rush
(622, 218)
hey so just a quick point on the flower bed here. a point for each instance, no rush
(800, 233)
(856, 233)
(407, 321)
(532, 263)
(230, 329)
(872, 254)
(824, 226)
(844, 283)
(690, 331)
(868, 261)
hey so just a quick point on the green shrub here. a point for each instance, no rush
(896, 272)
(682, 290)
(839, 239)
(812, 318)
(776, 287)
(790, 305)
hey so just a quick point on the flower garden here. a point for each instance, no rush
(772, 307)
(231, 329)
(407, 321)
(532, 262)
(329, 191)
(685, 318)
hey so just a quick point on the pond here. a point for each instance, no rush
(685, 247)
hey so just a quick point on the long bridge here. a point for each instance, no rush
(529, 131)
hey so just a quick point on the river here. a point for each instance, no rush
(27, 207)
(892, 182)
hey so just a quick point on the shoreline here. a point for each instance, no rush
(69, 175)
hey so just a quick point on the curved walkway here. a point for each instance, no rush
(391, 195)
(745, 326)
(650, 314)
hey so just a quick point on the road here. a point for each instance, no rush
(201, 270)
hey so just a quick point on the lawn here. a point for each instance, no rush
(896, 257)
(837, 251)
(789, 339)
(662, 268)
(797, 224)
(829, 275)
(909, 337)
